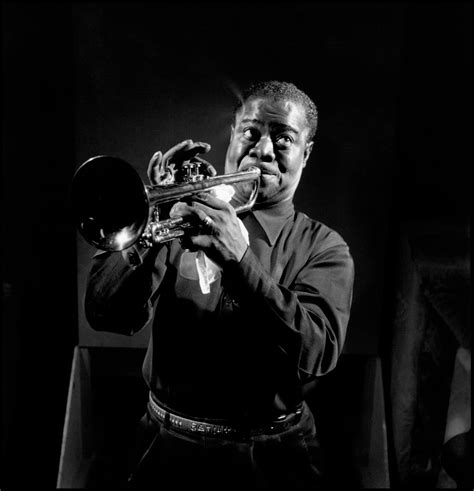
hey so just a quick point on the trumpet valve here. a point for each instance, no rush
(191, 172)
(157, 232)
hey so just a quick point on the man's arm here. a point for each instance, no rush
(120, 286)
(308, 319)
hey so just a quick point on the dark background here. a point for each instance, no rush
(392, 82)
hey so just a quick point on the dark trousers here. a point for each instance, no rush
(167, 459)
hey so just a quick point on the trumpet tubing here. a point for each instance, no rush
(113, 209)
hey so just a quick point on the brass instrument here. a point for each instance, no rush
(113, 208)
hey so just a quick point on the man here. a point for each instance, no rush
(227, 366)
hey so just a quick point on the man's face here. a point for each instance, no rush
(271, 135)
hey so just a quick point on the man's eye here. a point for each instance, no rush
(250, 134)
(284, 141)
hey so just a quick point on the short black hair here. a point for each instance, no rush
(283, 91)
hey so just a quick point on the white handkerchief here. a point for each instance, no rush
(207, 271)
(197, 266)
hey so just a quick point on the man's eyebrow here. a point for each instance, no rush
(252, 120)
(280, 126)
(286, 127)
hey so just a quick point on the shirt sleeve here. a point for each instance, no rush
(120, 286)
(307, 319)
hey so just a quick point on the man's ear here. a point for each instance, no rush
(307, 152)
(231, 132)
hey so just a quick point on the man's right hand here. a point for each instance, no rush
(163, 167)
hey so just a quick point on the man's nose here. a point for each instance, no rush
(263, 149)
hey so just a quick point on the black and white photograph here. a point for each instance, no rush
(236, 245)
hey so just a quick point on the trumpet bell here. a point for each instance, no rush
(109, 203)
(113, 209)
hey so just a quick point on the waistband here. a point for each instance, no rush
(221, 429)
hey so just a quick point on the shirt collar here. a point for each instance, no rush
(273, 218)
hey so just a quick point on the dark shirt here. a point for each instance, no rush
(269, 325)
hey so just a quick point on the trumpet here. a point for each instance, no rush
(113, 208)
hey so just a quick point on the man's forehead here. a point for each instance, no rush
(271, 110)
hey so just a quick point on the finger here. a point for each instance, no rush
(202, 146)
(204, 215)
(211, 202)
(191, 152)
(155, 168)
(186, 150)
(197, 214)
(181, 209)
(177, 149)
(208, 223)
(201, 216)
(206, 167)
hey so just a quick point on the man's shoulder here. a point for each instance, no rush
(318, 231)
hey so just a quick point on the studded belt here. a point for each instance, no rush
(220, 429)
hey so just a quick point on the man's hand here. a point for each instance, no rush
(163, 167)
(219, 232)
